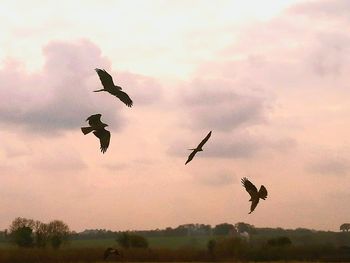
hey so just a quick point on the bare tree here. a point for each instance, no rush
(58, 233)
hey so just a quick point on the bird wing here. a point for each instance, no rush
(190, 157)
(255, 202)
(104, 137)
(204, 140)
(124, 98)
(94, 120)
(107, 252)
(249, 187)
(106, 79)
(262, 192)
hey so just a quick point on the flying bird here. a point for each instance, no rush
(110, 251)
(98, 128)
(253, 192)
(108, 85)
(198, 148)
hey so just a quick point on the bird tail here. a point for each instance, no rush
(86, 130)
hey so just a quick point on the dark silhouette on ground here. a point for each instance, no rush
(253, 192)
(99, 130)
(108, 85)
(198, 148)
(110, 251)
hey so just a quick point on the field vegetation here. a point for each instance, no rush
(191, 242)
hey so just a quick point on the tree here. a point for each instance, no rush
(58, 233)
(244, 227)
(23, 236)
(21, 231)
(345, 227)
(41, 234)
(223, 229)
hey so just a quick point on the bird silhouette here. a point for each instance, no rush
(110, 251)
(255, 195)
(198, 148)
(108, 85)
(98, 128)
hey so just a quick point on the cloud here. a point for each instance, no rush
(325, 8)
(55, 99)
(238, 145)
(215, 179)
(329, 165)
(60, 97)
(51, 162)
(142, 89)
(214, 104)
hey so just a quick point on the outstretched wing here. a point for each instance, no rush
(125, 98)
(204, 140)
(104, 137)
(106, 79)
(262, 192)
(255, 202)
(94, 120)
(190, 157)
(251, 189)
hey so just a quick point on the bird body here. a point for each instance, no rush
(99, 131)
(199, 148)
(108, 86)
(255, 195)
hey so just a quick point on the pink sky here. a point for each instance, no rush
(269, 79)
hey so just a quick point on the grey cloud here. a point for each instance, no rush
(215, 179)
(60, 96)
(215, 104)
(241, 145)
(143, 90)
(330, 165)
(59, 162)
(57, 98)
(330, 54)
(247, 146)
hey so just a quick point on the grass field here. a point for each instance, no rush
(154, 242)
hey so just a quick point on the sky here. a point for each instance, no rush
(269, 78)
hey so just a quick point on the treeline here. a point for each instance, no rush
(256, 236)
(32, 233)
(181, 230)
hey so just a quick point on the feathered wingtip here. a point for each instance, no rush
(86, 130)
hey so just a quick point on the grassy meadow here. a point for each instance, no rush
(171, 249)
(199, 242)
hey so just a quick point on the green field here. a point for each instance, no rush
(154, 242)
